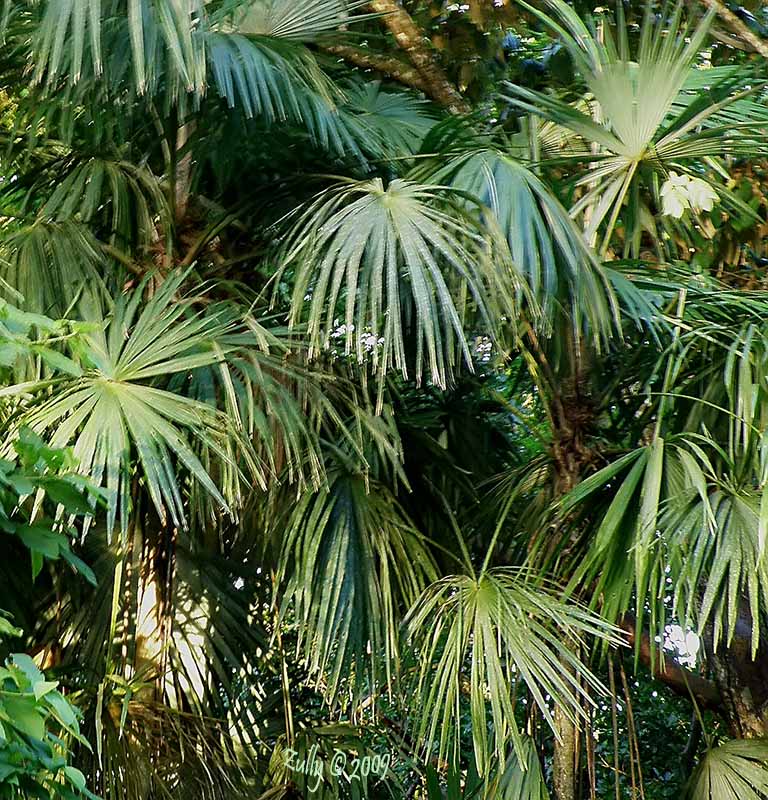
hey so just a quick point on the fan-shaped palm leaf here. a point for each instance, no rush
(351, 558)
(45, 264)
(516, 782)
(386, 259)
(271, 79)
(674, 539)
(735, 770)
(544, 243)
(636, 143)
(126, 199)
(394, 123)
(112, 411)
(524, 780)
(503, 626)
(679, 522)
(252, 49)
(303, 21)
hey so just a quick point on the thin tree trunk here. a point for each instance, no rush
(565, 757)
(567, 452)
(688, 758)
(183, 171)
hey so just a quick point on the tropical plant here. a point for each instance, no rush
(39, 725)
(408, 360)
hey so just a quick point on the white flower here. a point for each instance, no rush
(675, 180)
(680, 192)
(701, 195)
(674, 195)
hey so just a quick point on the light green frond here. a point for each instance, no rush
(394, 123)
(253, 50)
(299, 20)
(505, 627)
(112, 415)
(266, 78)
(633, 137)
(523, 779)
(126, 198)
(717, 562)
(74, 36)
(289, 410)
(627, 559)
(371, 263)
(735, 770)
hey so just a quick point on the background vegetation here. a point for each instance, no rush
(385, 380)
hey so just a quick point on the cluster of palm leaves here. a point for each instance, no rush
(313, 527)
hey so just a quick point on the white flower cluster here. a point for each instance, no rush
(681, 192)
(368, 339)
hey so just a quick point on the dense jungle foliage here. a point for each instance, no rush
(384, 399)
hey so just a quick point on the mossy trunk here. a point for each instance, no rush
(566, 755)
(742, 680)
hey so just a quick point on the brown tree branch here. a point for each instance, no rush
(411, 39)
(667, 671)
(738, 27)
(731, 41)
(395, 68)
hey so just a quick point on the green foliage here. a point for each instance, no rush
(399, 256)
(458, 358)
(735, 769)
(38, 724)
(498, 622)
(35, 720)
(352, 560)
(640, 133)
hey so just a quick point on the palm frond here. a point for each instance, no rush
(111, 412)
(45, 264)
(547, 247)
(385, 260)
(300, 20)
(350, 559)
(388, 122)
(125, 199)
(735, 770)
(636, 143)
(266, 78)
(524, 779)
(505, 627)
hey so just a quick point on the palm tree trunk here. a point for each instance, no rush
(569, 462)
(571, 416)
(566, 757)
(742, 681)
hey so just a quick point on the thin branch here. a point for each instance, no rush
(395, 68)
(738, 27)
(670, 673)
(414, 43)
